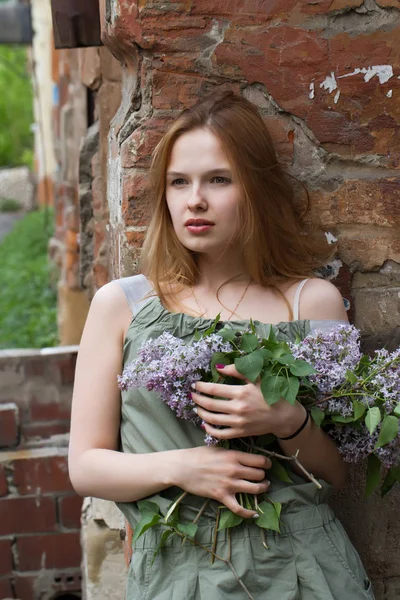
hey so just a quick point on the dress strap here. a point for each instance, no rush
(296, 301)
(137, 289)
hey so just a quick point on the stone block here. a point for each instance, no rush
(89, 67)
(367, 248)
(104, 570)
(73, 307)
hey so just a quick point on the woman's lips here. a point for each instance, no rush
(198, 225)
(198, 228)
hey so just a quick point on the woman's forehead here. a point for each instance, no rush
(199, 148)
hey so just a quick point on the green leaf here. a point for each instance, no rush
(163, 540)
(359, 409)
(265, 440)
(372, 419)
(250, 365)
(211, 329)
(396, 410)
(301, 368)
(269, 515)
(290, 389)
(189, 530)
(271, 388)
(389, 430)
(228, 519)
(373, 474)
(227, 334)
(270, 334)
(249, 342)
(286, 359)
(281, 348)
(267, 354)
(149, 520)
(278, 471)
(218, 358)
(351, 377)
(145, 506)
(363, 365)
(317, 415)
(341, 419)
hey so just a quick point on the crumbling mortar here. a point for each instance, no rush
(367, 18)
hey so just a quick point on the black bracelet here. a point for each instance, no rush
(299, 429)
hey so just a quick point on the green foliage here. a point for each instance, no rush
(27, 301)
(9, 205)
(16, 108)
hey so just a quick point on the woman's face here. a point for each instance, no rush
(202, 196)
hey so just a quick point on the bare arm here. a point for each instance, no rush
(97, 468)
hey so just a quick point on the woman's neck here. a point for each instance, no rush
(214, 273)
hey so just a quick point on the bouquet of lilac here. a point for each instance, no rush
(354, 397)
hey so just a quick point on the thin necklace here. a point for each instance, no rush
(204, 312)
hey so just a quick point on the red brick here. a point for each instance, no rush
(6, 563)
(43, 430)
(3, 482)
(27, 515)
(179, 90)
(43, 410)
(34, 367)
(41, 475)
(135, 238)
(380, 204)
(69, 510)
(6, 589)
(8, 425)
(136, 206)
(136, 150)
(25, 586)
(57, 551)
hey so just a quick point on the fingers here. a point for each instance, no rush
(245, 487)
(254, 460)
(212, 405)
(233, 505)
(222, 390)
(230, 371)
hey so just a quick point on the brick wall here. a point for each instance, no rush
(40, 553)
(326, 77)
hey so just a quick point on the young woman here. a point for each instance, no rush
(224, 239)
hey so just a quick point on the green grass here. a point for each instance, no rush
(9, 205)
(28, 309)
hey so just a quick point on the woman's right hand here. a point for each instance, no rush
(217, 473)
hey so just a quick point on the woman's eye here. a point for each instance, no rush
(221, 180)
(178, 182)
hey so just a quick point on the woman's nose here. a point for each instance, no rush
(197, 198)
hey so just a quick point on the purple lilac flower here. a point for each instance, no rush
(356, 444)
(169, 366)
(331, 354)
(385, 384)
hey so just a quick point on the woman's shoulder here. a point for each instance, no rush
(320, 300)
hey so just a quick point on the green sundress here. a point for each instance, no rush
(311, 559)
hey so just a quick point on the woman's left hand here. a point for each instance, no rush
(243, 411)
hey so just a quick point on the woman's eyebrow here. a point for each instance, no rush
(225, 171)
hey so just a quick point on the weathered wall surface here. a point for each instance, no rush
(40, 551)
(87, 80)
(325, 75)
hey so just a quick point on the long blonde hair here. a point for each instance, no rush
(274, 244)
